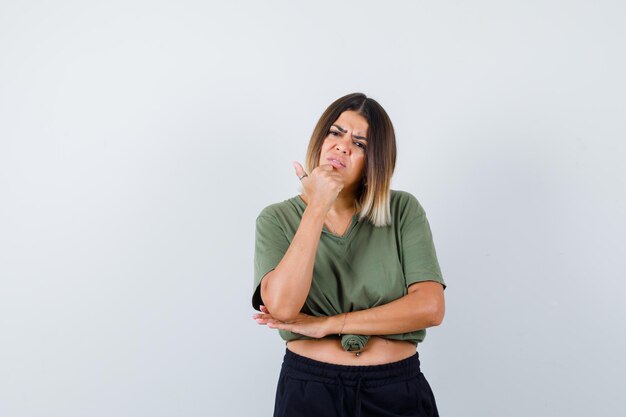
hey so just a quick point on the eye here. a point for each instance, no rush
(333, 132)
(360, 145)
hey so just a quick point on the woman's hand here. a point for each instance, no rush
(322, 185)
(311, 326)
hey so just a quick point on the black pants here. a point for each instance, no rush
(307, 387)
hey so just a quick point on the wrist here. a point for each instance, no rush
(336, 324)
(316, 210)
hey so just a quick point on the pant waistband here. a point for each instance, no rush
(351, 374)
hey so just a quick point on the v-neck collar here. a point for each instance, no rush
(355, 218)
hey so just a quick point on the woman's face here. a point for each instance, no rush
(344, 147)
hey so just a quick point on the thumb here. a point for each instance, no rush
(299, 170)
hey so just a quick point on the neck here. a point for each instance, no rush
(345, 203)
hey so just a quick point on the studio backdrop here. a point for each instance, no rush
(139, 140)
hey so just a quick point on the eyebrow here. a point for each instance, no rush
(354, 136)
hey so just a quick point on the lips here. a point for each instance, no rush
(336, 162)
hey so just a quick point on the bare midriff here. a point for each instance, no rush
(377, 351)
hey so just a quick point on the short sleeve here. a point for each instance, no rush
(419, 257)
(270, 246)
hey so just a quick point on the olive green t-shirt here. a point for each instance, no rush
(366, 267)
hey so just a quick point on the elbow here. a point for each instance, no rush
(436, 319)
(436, 314)
(429, 302)
(284, 315)
(282, 305)
(279, 311)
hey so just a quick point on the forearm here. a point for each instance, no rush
(416, 310)
(284, 290)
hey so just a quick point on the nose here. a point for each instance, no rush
(343, 143)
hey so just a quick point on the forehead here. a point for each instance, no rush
(352, 120)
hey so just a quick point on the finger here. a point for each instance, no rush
(299, 170)
(262, 316)
(279, 326)
(326, 167)
(264, 309)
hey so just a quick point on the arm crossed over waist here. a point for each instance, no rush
(423, 306)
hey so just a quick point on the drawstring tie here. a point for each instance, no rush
(342, 388)
(358, 397)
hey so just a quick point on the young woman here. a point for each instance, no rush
(347, 272)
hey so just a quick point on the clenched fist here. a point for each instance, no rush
(322, 185)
